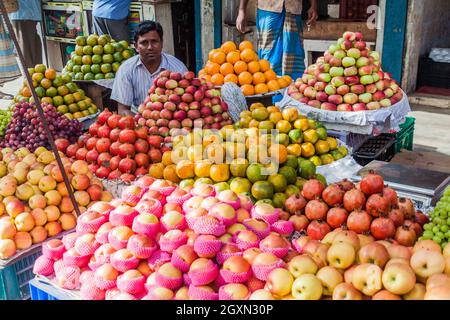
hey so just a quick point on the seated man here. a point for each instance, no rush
(135, 76)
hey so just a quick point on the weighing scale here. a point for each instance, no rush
(424, 187)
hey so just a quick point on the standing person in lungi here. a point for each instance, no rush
(278, 25)
(9, 69)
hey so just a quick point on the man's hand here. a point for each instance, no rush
(124, 110)
(241, 21)
(312, 13)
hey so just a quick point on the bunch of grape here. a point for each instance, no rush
(438, 229)
(26, 129)
(5, 117)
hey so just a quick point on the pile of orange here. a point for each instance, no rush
(242, 66)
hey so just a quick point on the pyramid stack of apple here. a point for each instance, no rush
(348, 77)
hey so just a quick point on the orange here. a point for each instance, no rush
(202, 168)
(50, 74)
(245, 78)
(167, 158)
(201, 72)
(275, 117)
(287, 78)
(261, 88)
(245, 45)
(278, 152)
(228, 47)
(270, 75)
(212, 68)
(248, 90)
(170, 173)
(219, 172)
(217, 79)
(259, 77)
(185, 169)
(226, 68)
(240, 67)
(233, 57)
(253, 67)
(211, 53)
(218, 57)
(156, 170)
(248, 55)
(207, 77)
(273, 109)
(273, 85)
(264, 65)
(26, 92)
(282, 82)
(231, 78)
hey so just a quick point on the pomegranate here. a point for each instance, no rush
(397, 216)
(377, 205)
(372, 183)
(127, 165)
(295, 204)
(407, 207)
(359, 221)
(391, 194)
(300, 222)
(318, 229)
(415, 226)
(405, 236)
(312, 189)
(421, 218)
(336, 217)
(126, 122)
(382, 228)
(114, 134)
(333, 195)
(346, 185)
(113, 121)
(103, 116)
(353, 200)
(316, 209)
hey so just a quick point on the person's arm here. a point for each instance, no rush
(312, 13)
(122, 92)
(124, 110)
(241, 20)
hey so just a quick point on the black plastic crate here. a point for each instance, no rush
(380, 148)
(433, 74)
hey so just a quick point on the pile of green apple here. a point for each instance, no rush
(5, 118)
(438, 229)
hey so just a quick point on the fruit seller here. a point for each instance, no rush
(9, 69)
(136, 75)
(24, 22)
(278, 25)
(111, 17)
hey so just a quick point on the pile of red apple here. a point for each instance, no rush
(116, 148)
(369, 208)
(178, 101)
(348, 77)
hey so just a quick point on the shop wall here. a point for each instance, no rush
(435, 31)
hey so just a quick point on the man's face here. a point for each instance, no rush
(149, 46)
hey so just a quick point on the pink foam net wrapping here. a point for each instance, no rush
(148, 229)
(235, 277)
(182, 225)
(69, 240)
(279, 252)
(219, 281)
(196, 192)
(116, 243)
(179, 199)
(163, 190)
(223, 295)
(144, 184)
(260, 233)
(254, 284)
(226, 221)
(72, 260)
(123, 296)
(151, 293)
(87, 276)
(111, 293)
(269, 218)
(123, 265)
(262, 271)
(282, 227)
(139, 251)
(130, 197)
(53, 253)
(94, 264)
(167, 282)
(119, 219)
(186, 279)
(102, 235)
(204, 276)
(89, 291)
(190, 204)
(131, 286)
(179, 263)
(236, 204)
(297, 247)
(58, 265)
(68, 277)
(158, 258)
(199, 293)
(86, 248)
(246, 202)
(206, 225)
(170, 245)
(207, 247)
(89, 226)
(104, 284)
(244, 245)
(221, 256)
(43, 266)
(102, 255)
(150, 206)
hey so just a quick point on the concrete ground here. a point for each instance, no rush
(431, 131)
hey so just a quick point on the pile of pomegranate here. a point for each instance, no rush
(115, 147)
(368, 208)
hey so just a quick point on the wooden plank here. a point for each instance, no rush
(207, 33)
(332, 29)
(380, 27)
(430, 100)
(162, 13)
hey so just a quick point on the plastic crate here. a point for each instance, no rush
(405, 137)
(381, 148)
(15, 276)
(433, 74)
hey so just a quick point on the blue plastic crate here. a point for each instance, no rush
(14, 276)
(41, 290)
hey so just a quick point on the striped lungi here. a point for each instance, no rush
(279, 42)
(9, 69)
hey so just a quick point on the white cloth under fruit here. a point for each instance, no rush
(371, 122)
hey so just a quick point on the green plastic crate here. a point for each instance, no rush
(14, 276)
(405, 137)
